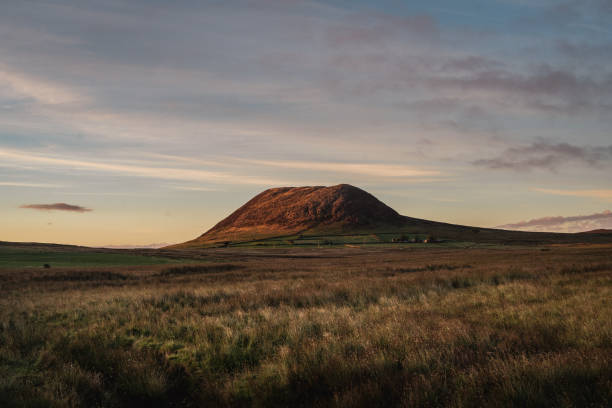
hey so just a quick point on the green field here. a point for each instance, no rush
(26, 258)
(333, 327)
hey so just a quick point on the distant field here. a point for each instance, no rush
(341, 326)
(317, 241)
(331, 239)
(19, 258)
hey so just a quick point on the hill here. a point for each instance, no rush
(303, 213)
(294, 210)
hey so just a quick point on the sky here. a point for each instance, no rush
(146, 121)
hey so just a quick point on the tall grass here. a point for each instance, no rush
(379, 328)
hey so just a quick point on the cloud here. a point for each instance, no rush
(471, 63)
(56, 206)
(578, 223)
(194, 188)
(42, 91)
(604, 194)
(585, 51)
(34, 185)
(165, 173)
(230, 174)
(378, 29)
(555, 90)
(545, 155)
(593, 27)
(144, 81)
(291, 80)
(366, 169)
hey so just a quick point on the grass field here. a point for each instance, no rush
(19, 258)
(362, 327)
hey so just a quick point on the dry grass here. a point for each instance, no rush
(431, 327)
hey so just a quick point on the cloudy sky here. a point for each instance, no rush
(146, 121)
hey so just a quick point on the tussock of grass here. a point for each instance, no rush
(196, 269)
(79, 275)
(472, 328)
(580, 269)
(432, 267)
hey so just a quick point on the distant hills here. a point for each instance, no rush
(344, 209)
(598, 231)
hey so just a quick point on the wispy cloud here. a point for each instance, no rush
(42, 91)
(470, 63)
(33, 185)
(604, 194)
(553, 90)
(367, 169)
(475, 16)
(593, 27)
(377, 29)
(226, 175)
(194, 188)
(545, 155)
(585, 50)
(57, 206)
(576, 223)
(164, 173)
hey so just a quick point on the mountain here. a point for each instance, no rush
(293, 210)
(343, 210)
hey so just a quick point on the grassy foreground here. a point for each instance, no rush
(341, 327)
